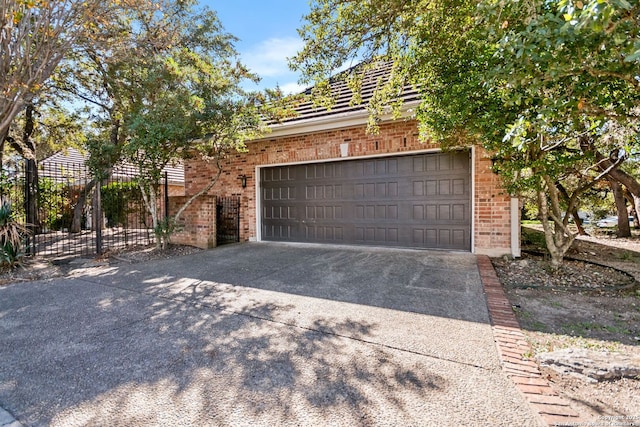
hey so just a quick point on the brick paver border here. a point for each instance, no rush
(512, 348)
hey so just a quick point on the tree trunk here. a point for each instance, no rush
(634, 202)
(31, 195)
(31, 184)
(629, 182)
(604, 163)
(150, 199)
(78, 209)
(3, 139)
(621, 208)
(578, 222)
(556, 257)
(574, 211)
(632, 184)
(557, 235)
(162, 239)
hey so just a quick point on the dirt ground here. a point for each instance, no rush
(43, 268)
(585, 305)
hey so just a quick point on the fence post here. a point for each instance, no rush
(30, 200)
(97, 216)
(166, 195)
(238, 220)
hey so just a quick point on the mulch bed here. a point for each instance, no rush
(533, 271)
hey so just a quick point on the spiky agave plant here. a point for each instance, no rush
(12, 236)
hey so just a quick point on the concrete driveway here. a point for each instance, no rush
(258, 334)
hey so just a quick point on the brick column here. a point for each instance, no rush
(197, 224)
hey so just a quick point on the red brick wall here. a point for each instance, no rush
(492, 216)
(197, 225)
(175, 190)
(492, 227)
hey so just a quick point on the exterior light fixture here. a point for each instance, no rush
(243, 180)
(495, 164)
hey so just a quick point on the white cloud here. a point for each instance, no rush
(269, 57)
(292, 87)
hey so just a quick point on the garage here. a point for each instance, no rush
(417, 201)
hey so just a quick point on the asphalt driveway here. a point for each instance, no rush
(258, 334)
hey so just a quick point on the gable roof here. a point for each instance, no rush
(59, 166)
(343, 112)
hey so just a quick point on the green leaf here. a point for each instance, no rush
(635, 56)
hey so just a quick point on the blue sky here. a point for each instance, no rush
(267, 33)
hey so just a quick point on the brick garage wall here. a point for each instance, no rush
(197, 224)
(492, 216)
(396, 137)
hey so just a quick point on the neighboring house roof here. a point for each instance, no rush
(343, 112)
(71, 163)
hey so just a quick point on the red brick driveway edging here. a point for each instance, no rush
(512, 348)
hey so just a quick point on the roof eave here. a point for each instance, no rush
(331, 122)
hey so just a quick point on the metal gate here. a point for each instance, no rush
(70, 213)
(227, 220)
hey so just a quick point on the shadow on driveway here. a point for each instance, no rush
(224, 338)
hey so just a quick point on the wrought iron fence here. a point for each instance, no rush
(70, 213)
(227, 220)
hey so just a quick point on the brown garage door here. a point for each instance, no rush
(419, 201)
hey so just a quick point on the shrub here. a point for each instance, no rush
(55, 204)
(12, 236)
(118, 201)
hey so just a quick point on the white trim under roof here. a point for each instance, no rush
(333, 121)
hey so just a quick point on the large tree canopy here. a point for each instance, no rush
(540, 84)
(186, 99)
(34, 37)
(167, 86)
(534, 44)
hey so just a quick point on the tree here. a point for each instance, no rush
(167, 87)
(527, 80)
(187, 103)
(53, 128)
(34, 37)
(101, 75)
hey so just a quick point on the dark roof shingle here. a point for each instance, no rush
(343, 96)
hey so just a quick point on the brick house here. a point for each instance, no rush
(320, 178)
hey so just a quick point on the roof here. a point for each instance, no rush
(343, 109)
(71, 162)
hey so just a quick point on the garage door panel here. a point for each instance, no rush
(459, 211)
(460, 163)
(278, 174)
(324, 233)
(412, 200)
(280, 212)
(459, 237)
(279, 193)
(376, 235)
(458, 187)
(445, 238)
(278, 231)
(379, 189)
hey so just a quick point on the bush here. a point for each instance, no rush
(118, 201)
(54, 204)
(12, 236)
